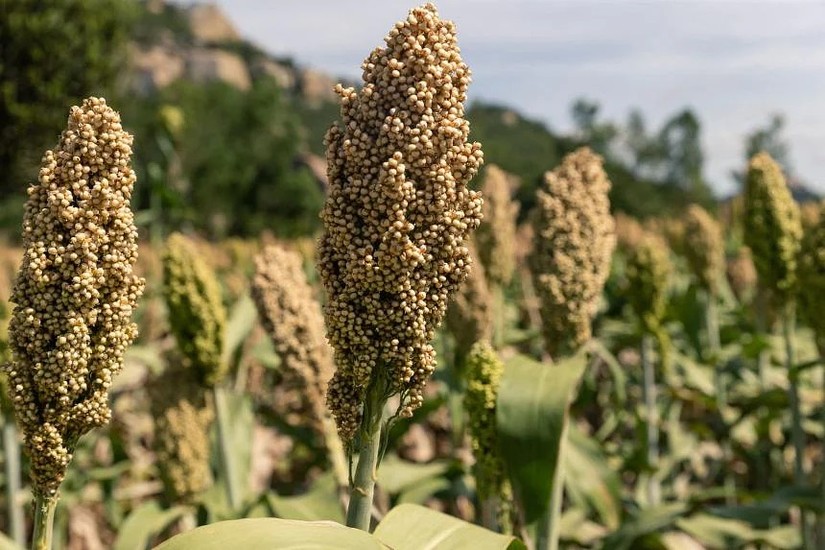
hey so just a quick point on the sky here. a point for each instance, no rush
(734, 63)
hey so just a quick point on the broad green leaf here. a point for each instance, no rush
(238, 326)
(589, 480)
(239, 428)
(648, 521)
(421, 492)
(144, 523)
(532, 410)
(273, 534)
(719, 532)
(617, 372)
(575, 527)
(412, 527)
(319, 503)
(395, 475)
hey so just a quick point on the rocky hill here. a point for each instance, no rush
(199, 43)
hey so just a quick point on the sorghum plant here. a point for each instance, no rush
(741, 274)
(483, 375)
(292, 317)
(648, 271)
(574, 242)
(773, 231)
(74, 296)
(396, 221)
(470, 315)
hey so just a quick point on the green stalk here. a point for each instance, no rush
(227, 459)
(362, 487)
(11, 452)
(335, 451)
(44, 508)
(797, 435)
(548, 529)
(715, 345)
(652, 421)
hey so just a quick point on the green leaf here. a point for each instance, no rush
(718, 532)
(532, 410)
(238, 326)
(144, 523)
(589, 480)
(413, 527)
(617, 372)
(7, 544)
(321, 502)
(648, 521)
(240, 425)
(273, 534)
(397, 475)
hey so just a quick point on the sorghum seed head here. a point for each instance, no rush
(742, 274)
(648, 270)
(704, 247)
(183, 415)
(75, 290)
(470, 313)
(292, 317)
(574, 242)
(496, 236)
(197, 317)
(773, 228)
(483, 377)
(398, 213)
(812, 277)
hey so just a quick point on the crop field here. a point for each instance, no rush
(447, 360)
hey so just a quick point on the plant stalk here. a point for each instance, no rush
(44, 508)
(362, 487)
(335, 451)
(652, 421)
(548, 529)
(715, 345)
(227, 458)
(498, 317)
(11, 454)
(797, 435)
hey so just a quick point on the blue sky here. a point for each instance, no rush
(734, 63)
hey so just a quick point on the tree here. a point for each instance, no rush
(53, 54)
(682, 152)
(598, 135)
(770, 140)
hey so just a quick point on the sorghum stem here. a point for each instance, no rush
(359, 511)
(549, 527)
(335, 451)
(797, 435)
(226, 455)
(43, 522)
(652, 421)
(714, 343)
(11, 454)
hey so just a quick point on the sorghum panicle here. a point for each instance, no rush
(648, 271)
(75, 290)
(574, 242)
(470, 313)
(704, 247)
(484, 372)
(773, 227)
(812, 277)
(183, 414)
(292, 317)
(197, 316)
(742, 274)
(398, 213)
(496, 236)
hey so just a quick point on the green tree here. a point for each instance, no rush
(53, 54)
(589, 129)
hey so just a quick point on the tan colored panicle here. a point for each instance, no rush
(496, 236)
(648, 272)
(742, 274)
(773, 227)
(812, 277)
(628, 231)
(75, 291)
(704, 247)
(292, 317)
(197, 316)
(398, 213)
(574, 242)
(183, 414)
(470, 313)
